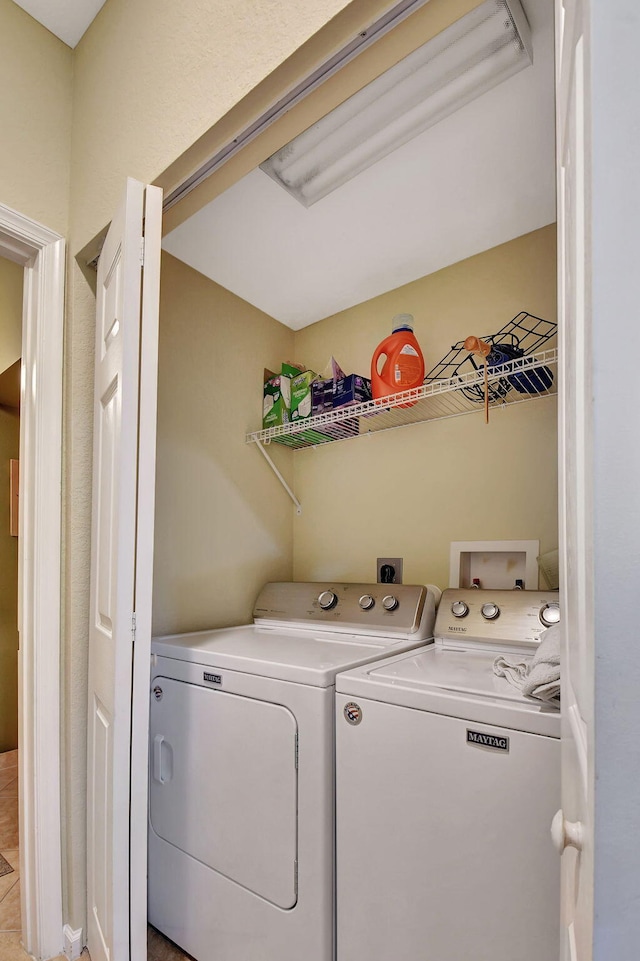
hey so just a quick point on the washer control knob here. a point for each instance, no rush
(550, 614)
(459, 609)
(390, 603)
(327, 600)
(366, 602)
(490, 611)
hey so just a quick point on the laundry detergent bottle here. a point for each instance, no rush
(397, 363)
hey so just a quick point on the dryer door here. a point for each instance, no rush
(224, 784)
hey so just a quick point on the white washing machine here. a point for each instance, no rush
(447, 780)
(241, 807)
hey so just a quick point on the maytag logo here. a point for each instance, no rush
(213, 678)
(460, 630)
(492, 741)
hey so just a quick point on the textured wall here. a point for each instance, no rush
(35, 119)
(410, 492)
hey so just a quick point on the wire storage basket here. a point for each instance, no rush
(521, 338)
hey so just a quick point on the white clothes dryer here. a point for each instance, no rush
(447, 780)
(241, 806)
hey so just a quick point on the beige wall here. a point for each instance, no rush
(222, 517)
(223, 527)
(410, 492)
(11, 279)
(35, 119)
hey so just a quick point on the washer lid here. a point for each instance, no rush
(304, 656)
(457, 683)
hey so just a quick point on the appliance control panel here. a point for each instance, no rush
(504, 617)
(388, 609)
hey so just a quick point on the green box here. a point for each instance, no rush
(276, 395)
(276, 400)
(301, 395)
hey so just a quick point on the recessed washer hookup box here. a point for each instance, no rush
(495, 565)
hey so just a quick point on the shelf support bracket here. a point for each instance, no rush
(275, 470)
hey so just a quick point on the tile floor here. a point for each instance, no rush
(160, 949)
(10, 947)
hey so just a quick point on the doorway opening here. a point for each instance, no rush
(11, 285)
(39, 253)
(494, 245)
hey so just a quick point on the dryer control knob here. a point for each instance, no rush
(459, 609)
(366, 602)
(327, 600)
(550, 614)
(490, 611)
(390, 603)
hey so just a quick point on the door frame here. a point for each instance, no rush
(41, 252)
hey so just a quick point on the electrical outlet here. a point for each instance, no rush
(396, 574)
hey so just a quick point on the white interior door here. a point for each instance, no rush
(121, 563)
(573, 826)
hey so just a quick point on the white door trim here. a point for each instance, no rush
(42, 253)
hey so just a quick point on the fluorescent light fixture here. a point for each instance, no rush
(476, 53)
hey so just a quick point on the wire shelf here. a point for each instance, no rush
(523, 379)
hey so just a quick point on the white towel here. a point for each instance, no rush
(540, 678)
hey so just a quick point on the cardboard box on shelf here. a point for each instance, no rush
(323, 387)
(351, 390)
(348, 391)
(276, 395)
(321, 396)
(296, 394)
(302, 395)
(275, 400)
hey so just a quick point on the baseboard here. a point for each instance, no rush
(72, 942)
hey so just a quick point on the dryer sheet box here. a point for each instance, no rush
(351, 390)
(302, 395)
(276, 395)
(334, 393)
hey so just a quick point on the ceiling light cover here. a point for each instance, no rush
(462, 62)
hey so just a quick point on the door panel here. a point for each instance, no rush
(107, 441)
(575, 471)
(102, 773)
(115, 553)
(224, 785)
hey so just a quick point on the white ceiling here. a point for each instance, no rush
(477, 179)
(67, 19)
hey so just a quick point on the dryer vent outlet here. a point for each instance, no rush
(389, 570)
